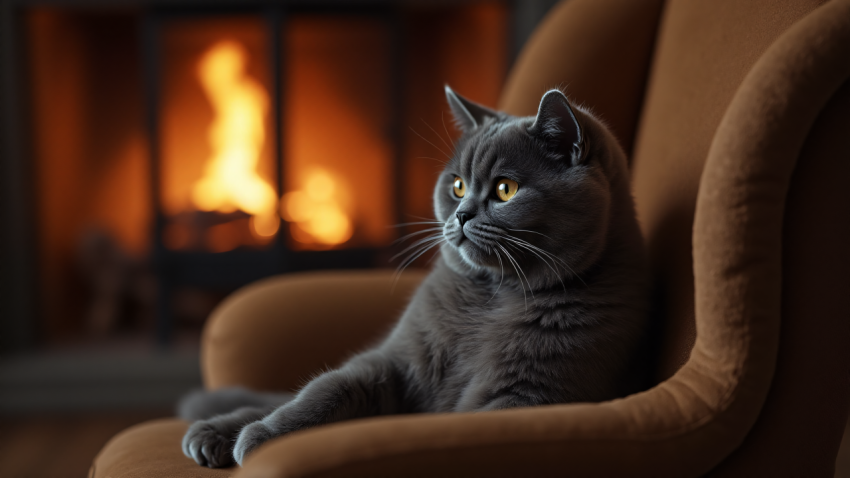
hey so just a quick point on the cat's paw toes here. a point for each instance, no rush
(208, 445)
(251, 437)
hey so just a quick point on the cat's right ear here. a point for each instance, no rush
(468, 115)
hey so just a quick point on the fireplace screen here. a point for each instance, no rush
(218, 164)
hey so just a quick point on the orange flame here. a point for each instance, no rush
(236, 136)
(317, 211)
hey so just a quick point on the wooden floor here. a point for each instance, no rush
(63, 446)
(59, 446)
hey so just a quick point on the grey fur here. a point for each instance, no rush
(538, 300)
(200, 404)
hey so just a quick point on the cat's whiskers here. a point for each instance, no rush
(425, 246)
(416, 254)
(416, 244)
(443, 120)
(412, 260)
(403, 224)
(432, 144)
(554, 258)
(537, 252)
(542, 259)
(441, 161)
(438, 134)
(487, 232)
(533, 232)
(421, 218)
(519, 250)
(521, 245)
(501, 277)
(521, 273)
(416, 233)
(517, 270)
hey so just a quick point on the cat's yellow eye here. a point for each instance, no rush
(506, 188)
(459, 187)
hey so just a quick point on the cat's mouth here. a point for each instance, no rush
(475, 248)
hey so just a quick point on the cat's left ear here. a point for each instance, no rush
(557, 125)
(468, 114)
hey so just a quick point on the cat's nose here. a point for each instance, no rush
(462, 217)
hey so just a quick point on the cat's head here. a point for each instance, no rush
(526, 195)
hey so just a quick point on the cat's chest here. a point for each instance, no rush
(505, 333)
(466, 329)
(474, 335)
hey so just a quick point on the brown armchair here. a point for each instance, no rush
(737, 119)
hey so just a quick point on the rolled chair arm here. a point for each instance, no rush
(274, 334)
(688, 424)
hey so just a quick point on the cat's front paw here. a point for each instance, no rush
(209, 444)
(252, 436)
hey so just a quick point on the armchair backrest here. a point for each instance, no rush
(663, 75)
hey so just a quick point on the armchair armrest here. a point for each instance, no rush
(273, 335)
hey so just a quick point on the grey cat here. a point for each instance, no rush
(538, 296)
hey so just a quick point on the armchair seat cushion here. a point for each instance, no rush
(151, 450)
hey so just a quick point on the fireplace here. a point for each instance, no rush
(179, 152)
(255, 126)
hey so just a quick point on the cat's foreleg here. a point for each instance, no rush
(203, 404)
(210, 442)
(368, 385)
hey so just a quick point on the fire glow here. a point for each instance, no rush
(316, 211)
(230, 181)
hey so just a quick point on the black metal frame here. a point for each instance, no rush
(18, 262)
(239, 267)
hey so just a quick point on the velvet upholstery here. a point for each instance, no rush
(150, 450)
(324, 318)
(739, 156)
